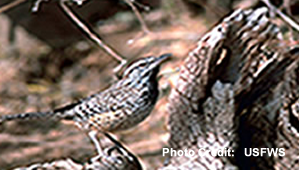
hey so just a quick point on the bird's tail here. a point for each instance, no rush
(25, 116)
(65, 112)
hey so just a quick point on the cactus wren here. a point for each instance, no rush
(123, 105)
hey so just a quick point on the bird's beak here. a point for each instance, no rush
(162, 58)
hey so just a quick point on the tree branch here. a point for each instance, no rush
(92, 35)
(11, 5)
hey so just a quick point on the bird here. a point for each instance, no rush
(121, 106)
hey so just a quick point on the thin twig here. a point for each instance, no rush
(286, 18)
(92, 35)
(145, 7)
(287, 6)
(11, 5)
(138, 15)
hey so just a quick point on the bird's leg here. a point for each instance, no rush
(93, 136)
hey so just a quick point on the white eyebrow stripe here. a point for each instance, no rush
(137, 63)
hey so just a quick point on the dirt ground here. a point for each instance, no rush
(34, 78)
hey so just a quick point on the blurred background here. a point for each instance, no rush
(47, 62)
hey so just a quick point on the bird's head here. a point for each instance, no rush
(145, 67)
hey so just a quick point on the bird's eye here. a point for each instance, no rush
(142, 64)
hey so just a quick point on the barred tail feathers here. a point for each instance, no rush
(65, 112)
(25, 116)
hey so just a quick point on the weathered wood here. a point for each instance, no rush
(229, 95)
